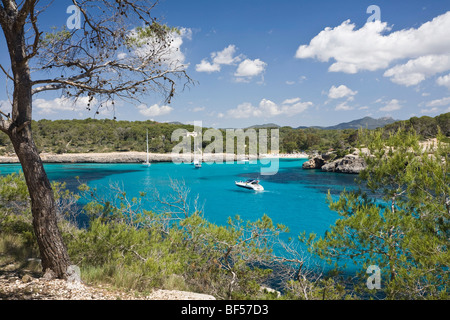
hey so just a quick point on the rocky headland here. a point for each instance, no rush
(351, 163)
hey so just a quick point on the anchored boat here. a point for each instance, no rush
(250, 184)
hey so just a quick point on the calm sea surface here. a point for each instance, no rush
(293, 197)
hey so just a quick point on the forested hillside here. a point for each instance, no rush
(91, 135)
(426, 127)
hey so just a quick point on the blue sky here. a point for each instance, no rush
(296, 63)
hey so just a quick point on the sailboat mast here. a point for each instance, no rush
(147, 146)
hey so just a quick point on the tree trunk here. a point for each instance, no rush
(53, 252)
(54, 257)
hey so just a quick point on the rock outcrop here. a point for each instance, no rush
(351, 163)
(314, 163)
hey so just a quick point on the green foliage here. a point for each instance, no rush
(399, 220)
(91, 135)
(226, 261)
(426, 127)
(56, 36)
(15, 213)
(153, 32)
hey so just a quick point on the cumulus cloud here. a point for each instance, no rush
(439, 102)
(392, 105)
(268, 108)
(56, 105)
(154, 110)
(219, 58)
(444, 81)
(415, 71)
(248, 69)
(172, 55)
(291, 101)
(205, 66)
(432, 110)
(343, 107)
(226, 56)
(341, 92)
(244, 110)
(374, 47)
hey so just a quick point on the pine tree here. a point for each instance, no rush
(399, 219)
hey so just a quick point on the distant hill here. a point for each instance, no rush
(262, 126)
(175, 123)
(366, 122)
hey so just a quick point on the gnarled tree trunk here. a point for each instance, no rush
(53, 252)
(54, 257)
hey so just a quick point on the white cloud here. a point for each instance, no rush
(392, 105)
(372, 47)
(56, 105)
(295, 108)
(444, 81)
(243, 111)
(343, 106)
(341, 92)
(205, 66)
(226, 56)
(291, 101)
(268, 108)
(432, 110)
(198, 109)
(248, 69)
(171, 55)
(301, 79)
(80, 105)
(439, 102)
(415, 71)
(154, 110)
(219, 58)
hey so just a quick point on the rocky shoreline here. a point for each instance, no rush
(350, 163)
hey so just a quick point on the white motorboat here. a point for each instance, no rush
(250, 184)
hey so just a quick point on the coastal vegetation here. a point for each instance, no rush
(398, 221)
(91, 135)
(83, 63)
(134, 248)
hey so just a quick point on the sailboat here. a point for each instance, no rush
(147, 163)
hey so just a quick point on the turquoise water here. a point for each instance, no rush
(293, 197)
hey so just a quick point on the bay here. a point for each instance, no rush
(293, 196)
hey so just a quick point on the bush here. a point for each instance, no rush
(170, 249)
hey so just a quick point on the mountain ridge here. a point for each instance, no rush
(366, 122)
